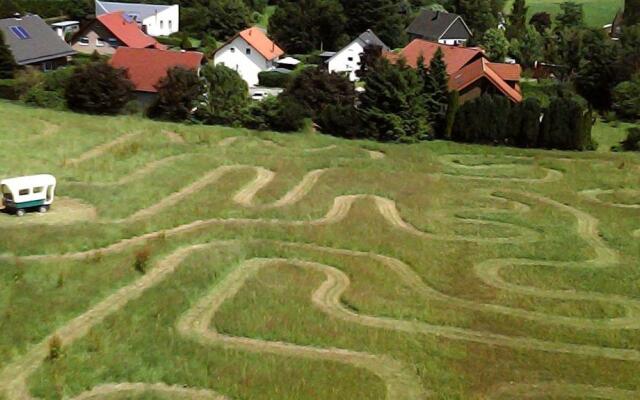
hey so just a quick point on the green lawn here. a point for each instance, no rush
(301, 266)
(597, 12)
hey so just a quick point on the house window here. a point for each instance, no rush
(248, 51)
(350, 58)
(233, 49)
(170, 23)
(161, 24)
(23, 192)
(47, 66)
(99, 42)
(84, 41)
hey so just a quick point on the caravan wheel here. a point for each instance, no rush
(20, 212)
(43, 209)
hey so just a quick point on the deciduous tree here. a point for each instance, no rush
(98, 88)
(178, 95)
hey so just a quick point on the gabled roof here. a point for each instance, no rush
(143, 10)
(128, 32)
(484, 69)
(508, 72)
(367, 38)
(454, 56)
(146, 67)
(40, 43)
(434, 24)
(259, 40)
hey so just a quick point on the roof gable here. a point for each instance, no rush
(434, 24)
(367, 38)
(31, 40)
(454, 56)
(143, 10)
(128, 32)
(257, 39)
(484, 69)
(146, 67)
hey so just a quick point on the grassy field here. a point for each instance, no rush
(596, 12)
(215, 263)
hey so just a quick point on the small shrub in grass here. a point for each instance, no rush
(60, 282)
(55, 347)
(632, 142)
(142, 259)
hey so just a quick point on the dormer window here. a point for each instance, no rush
(84, 41)
(248, 51)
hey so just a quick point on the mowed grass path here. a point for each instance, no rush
(597, 13)
(304, 266)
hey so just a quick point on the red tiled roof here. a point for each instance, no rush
(454, 56)
(128, 32)
(261, 42)
(146, 67)
(484, 69)
(508, 72)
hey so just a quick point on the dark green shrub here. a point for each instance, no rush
(276, 113)
(178, 95)
(39, 97)
(98, 88)
(9, 89)
(342, 121)
(632, 142)
(315, 89)
(626, 99)
(274, 79)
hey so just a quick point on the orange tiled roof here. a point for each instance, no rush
(128, 32)
(508, 72)
(261, 42)
(484, 69)
(146, 67)
(454, 56)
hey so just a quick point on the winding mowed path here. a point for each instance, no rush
(401, 380)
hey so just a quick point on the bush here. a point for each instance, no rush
(39, 97)
(9, 89)
(342, 121)
(55, 348)
(276, 113)
(227, 96)
(632, 142)
(274, 79)
(626, 99)
(142, 259)
(178, 94)
(98, 88)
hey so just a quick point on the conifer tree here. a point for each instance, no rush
(7, 63)
(517, 20)
(436, 88)
(393, 107)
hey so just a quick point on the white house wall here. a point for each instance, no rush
(164, 23)
(347, 60)
(234, 55)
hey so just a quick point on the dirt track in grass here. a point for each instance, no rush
(400, 380)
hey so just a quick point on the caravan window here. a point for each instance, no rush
(23, 192)
(38, 189)
(6, 192)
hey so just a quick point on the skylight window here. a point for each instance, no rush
(20, 32)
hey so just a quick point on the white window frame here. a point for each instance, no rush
(84, 41)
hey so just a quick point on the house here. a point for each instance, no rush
(65, 28)
(33, 43)
(470, 72)
(441, 27)
(249, 53)
(154, 19)
(347, 60)
(108, 32)
(146, 67)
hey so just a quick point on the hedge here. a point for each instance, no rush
(273, 79)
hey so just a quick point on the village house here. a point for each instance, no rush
(441, 27)
(470, 73)
(109, 32)
(249, 53)
(33, 43)
(147, 67)
(154, 19)
(347, 60)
